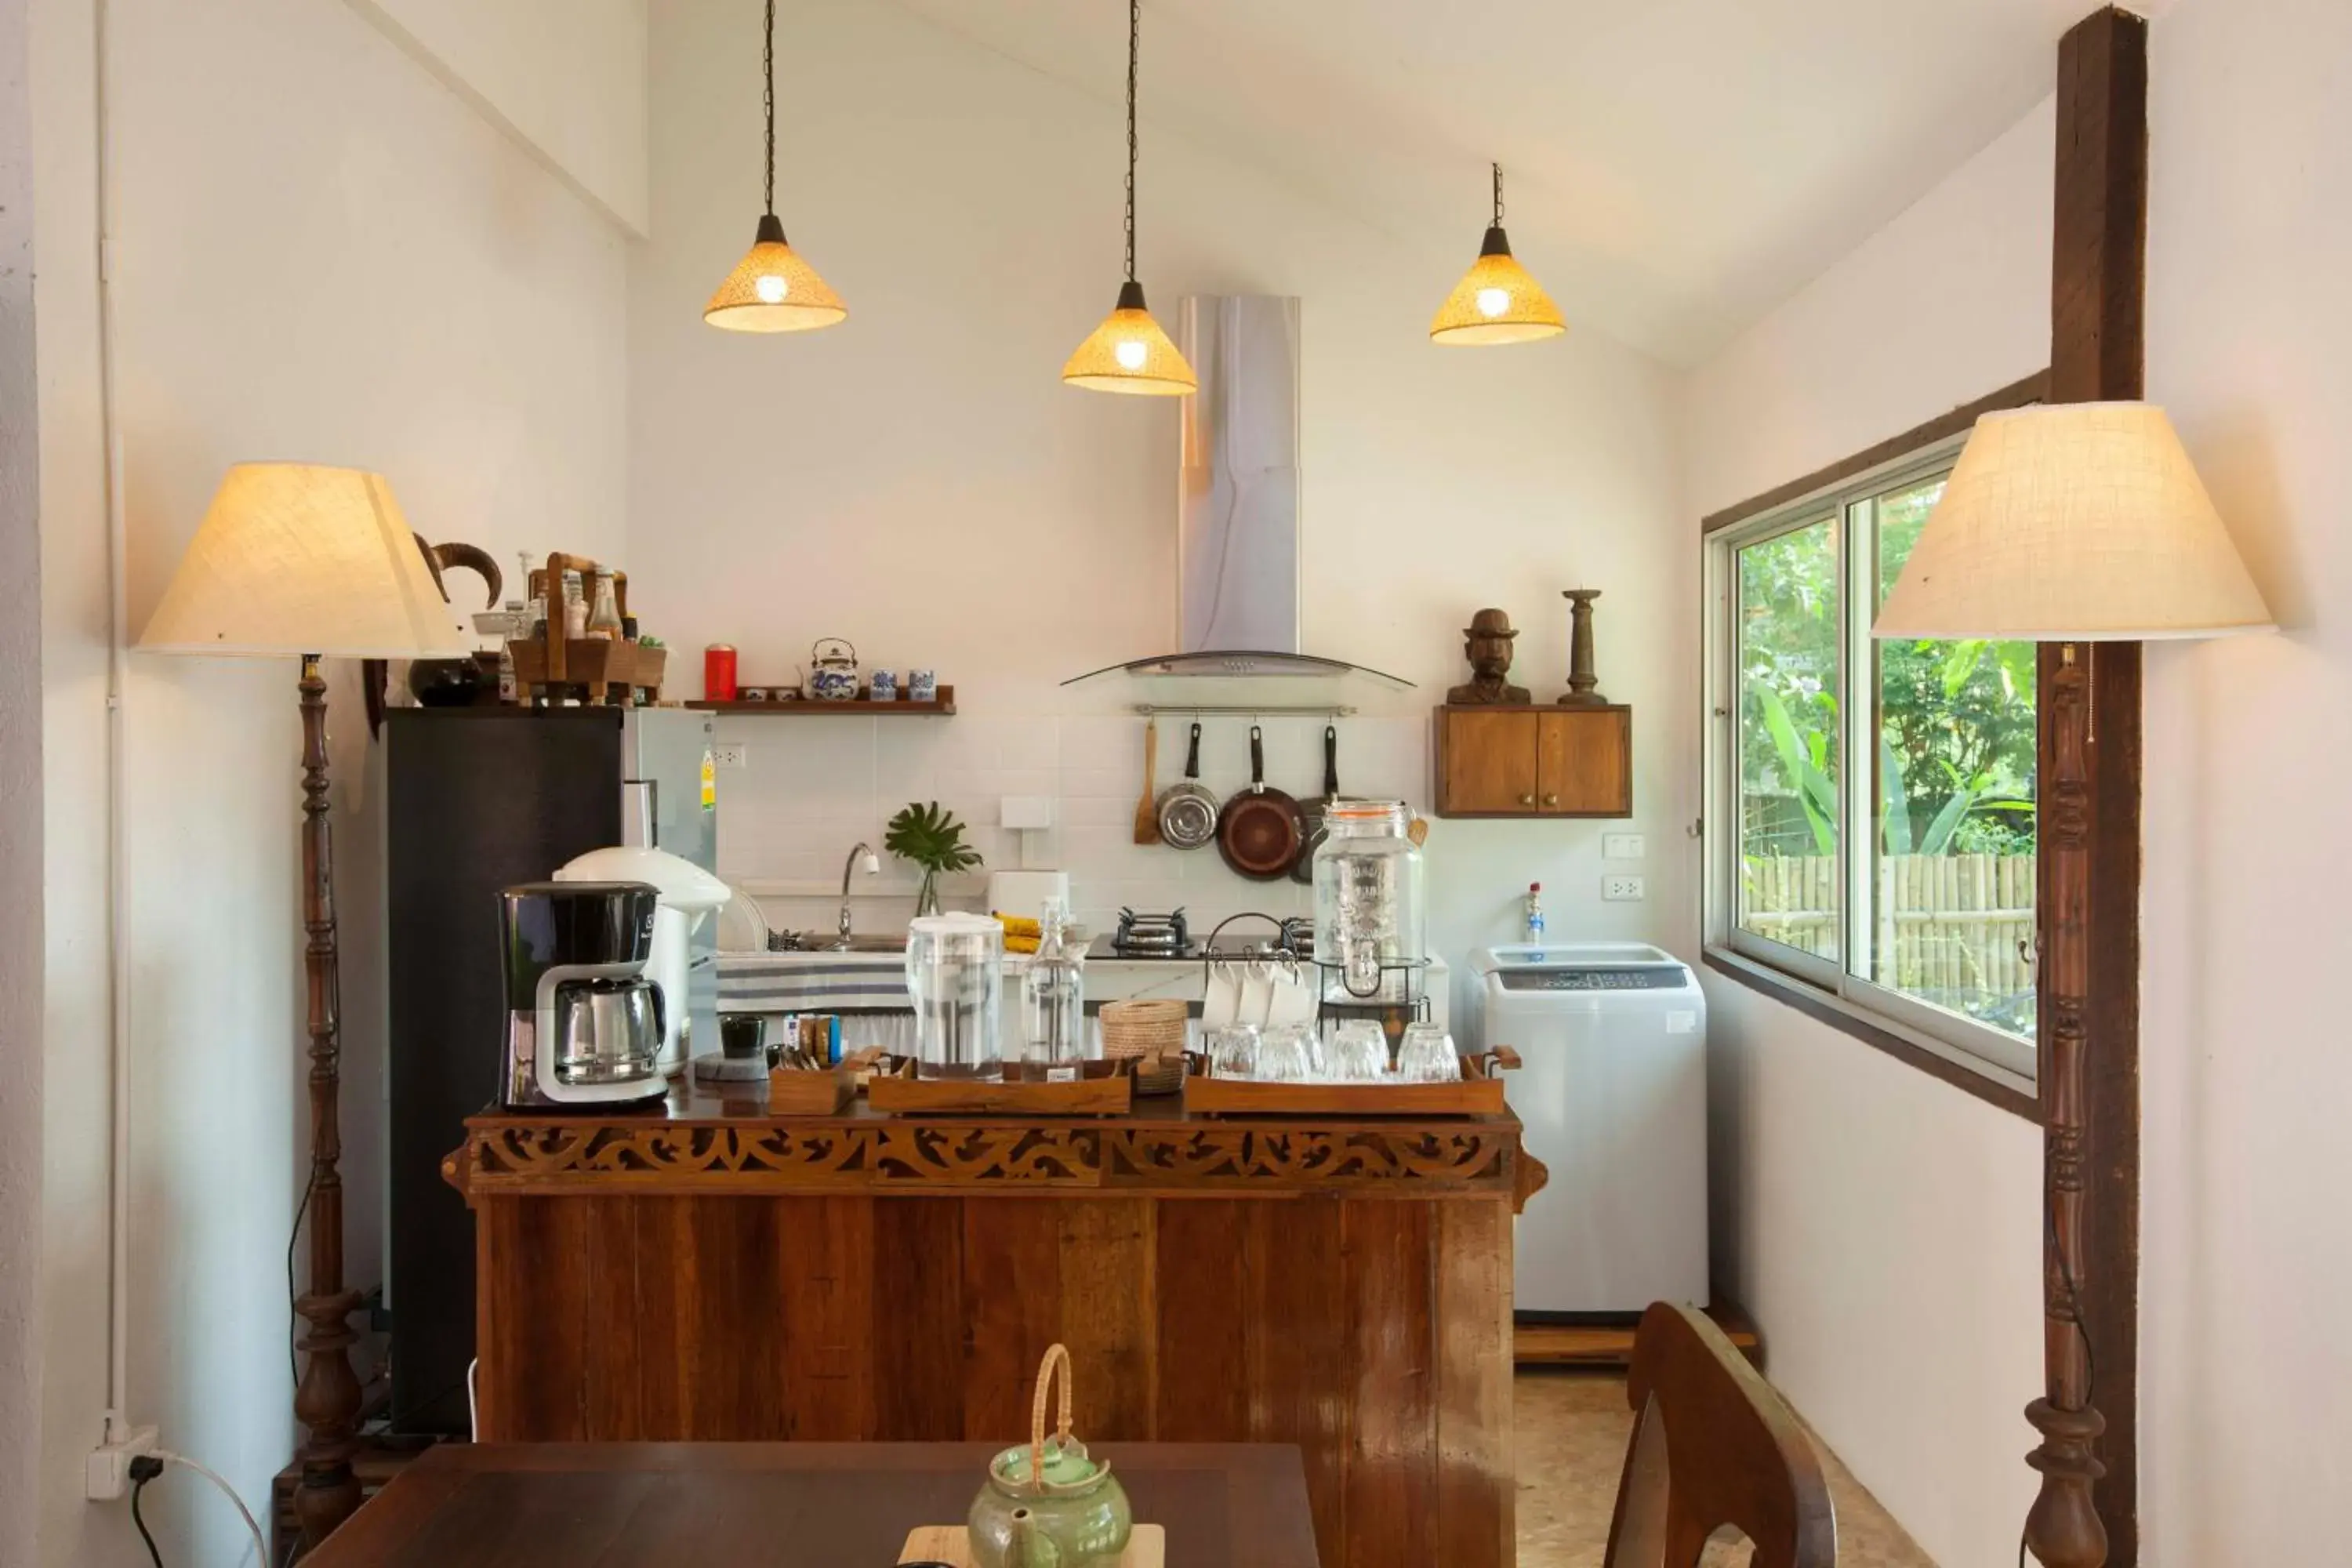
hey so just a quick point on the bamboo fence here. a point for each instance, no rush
(1957, 928)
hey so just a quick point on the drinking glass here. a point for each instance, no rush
(1233, 1050)
(1284, 1056)
(1359, 1053)
(1427, 1055)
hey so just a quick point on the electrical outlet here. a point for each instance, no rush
(1621, 890)
(106, 1472)
(726, 754)
(1623, 847)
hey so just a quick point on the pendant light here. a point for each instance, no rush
(1128, 352)
(1497, 301)
(772, 289)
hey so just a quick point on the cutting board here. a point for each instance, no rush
(1146, 1548)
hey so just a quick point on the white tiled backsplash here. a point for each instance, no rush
(812, 788)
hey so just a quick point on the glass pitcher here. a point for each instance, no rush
(1368, 917)
(954, 972)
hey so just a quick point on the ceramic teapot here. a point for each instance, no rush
(833, 671)
(1046, 1503)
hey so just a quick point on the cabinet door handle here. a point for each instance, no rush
(1551, 800)
(1527, 800)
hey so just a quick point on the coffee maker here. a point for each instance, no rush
(584, 1023)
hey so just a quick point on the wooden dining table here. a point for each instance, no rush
(811, 1505)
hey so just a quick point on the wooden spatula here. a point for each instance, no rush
(1147, 810)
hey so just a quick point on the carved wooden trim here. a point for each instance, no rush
(2087, 1513)
(764, 1157)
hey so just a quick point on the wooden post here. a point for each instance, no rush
(2089, 892)
(326, 1402)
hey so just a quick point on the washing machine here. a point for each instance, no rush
(1612, 1093)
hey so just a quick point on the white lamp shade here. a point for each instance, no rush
(2073, 522)
(299, 558)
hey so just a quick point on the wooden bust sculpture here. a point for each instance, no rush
(1488, 643)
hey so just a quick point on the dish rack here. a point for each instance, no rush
(1391, 1013)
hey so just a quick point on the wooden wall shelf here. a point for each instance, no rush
(862, 708)
(1536, 759)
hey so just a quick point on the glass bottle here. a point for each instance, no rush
(1370, 940)
(604, 619)
(575, 608)
(1052, 995)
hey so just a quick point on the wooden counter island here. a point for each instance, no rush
(709, 1272)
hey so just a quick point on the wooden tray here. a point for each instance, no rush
(1107, 1088)
(1480, 1093)
(1146, 1548)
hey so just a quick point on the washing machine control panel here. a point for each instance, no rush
(1616, 977)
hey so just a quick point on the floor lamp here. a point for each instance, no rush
(305, 560)
(2075, 523)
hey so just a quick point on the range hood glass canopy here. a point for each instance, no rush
(1238, 554)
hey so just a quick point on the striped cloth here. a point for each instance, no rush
(813, 982)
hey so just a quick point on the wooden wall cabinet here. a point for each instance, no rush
(1535, 761)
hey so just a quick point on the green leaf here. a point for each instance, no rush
(930, 838)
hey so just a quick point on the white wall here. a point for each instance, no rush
(1879, 1223)
(566, 79)
(20, 818)
(321, 252)
(919, 480)
(2244, 1078)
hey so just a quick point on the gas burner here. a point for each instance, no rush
(1154, 936)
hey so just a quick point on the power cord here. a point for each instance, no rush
(293, 1319)
(145, 1467)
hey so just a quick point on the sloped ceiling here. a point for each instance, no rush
(1675, 167)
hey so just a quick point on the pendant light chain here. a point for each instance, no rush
(1499, 195)
(768, 59)
(1134, 47)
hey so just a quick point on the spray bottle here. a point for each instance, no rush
(1535, 914)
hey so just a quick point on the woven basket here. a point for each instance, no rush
(1151, 1032)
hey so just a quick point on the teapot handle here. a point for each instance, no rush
(1054, 1355)
(817, 653)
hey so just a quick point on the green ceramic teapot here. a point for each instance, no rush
(1046, 1503)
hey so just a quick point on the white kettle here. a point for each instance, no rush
(688, 895)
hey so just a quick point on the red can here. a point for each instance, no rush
(718, 673)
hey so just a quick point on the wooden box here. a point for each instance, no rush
(1480, 1093)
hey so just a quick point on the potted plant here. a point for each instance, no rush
(933, 839)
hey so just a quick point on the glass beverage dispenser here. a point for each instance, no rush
(1368, 921)
(955, 975)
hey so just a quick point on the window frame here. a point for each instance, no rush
(1990, 1062)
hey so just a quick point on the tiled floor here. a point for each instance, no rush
(1572, 1429)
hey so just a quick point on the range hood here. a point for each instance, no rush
(1237, 612)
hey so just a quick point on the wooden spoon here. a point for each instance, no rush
(1147, 810)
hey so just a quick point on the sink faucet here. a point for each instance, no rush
(862, 854)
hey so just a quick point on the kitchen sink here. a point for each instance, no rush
(869, 944)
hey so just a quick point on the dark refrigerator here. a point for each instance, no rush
(477, 799)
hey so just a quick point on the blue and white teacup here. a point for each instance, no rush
(922, 686)
(885, 685)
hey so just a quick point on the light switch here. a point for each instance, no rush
(1623, 847)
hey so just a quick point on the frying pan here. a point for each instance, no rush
(1188, 811)
(1310, 812)
(1257, 833)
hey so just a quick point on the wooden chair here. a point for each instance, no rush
(1713, 1446)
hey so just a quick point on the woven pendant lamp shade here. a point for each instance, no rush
(1128, 352)
(2074, 522)
(772, 289)
(301, 558)
(1497, 301)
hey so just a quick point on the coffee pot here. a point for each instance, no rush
(585, 1022)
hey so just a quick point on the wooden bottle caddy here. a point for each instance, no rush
(1480, 1093)
(1102, 1088)
(596, 663)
